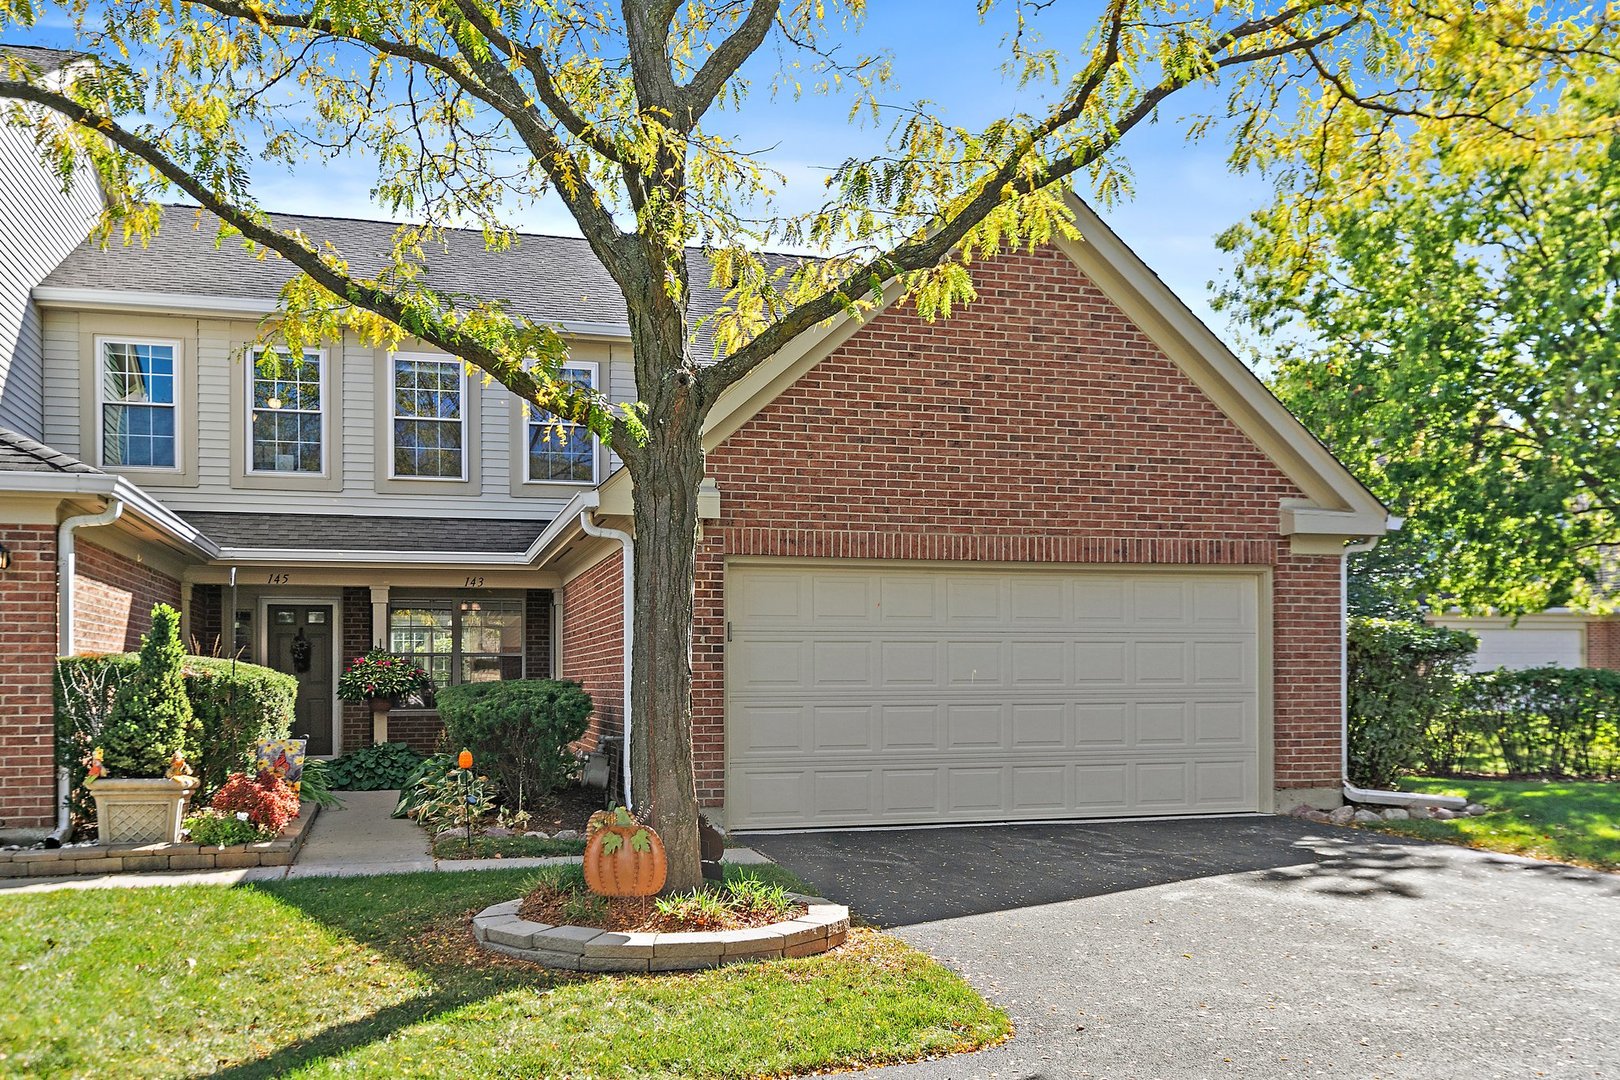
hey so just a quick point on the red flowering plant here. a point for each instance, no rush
(382, 674)
(266, 801)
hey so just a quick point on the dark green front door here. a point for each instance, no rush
(301, 645)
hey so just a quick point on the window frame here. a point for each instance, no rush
(526, 421)
(99, 371)
(393, 417)
(454, 602)
(252, 367)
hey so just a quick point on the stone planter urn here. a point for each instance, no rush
(142, 811)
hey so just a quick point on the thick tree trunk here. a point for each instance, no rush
(661, 761)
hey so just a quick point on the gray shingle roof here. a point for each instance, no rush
(547, 278)
(351, 532)
(47, 60)
(19, 453)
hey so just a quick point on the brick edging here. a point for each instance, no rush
(823, 926)
(128, 858)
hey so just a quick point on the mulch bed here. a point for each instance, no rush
(568, 808)
(550, 906)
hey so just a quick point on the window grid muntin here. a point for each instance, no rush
(437, 634)
(136, 383)
(428, 430)
(299, 422)
(560, 451)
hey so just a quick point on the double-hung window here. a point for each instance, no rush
(460, 641)
(560, 451)
(136, 388)
(287, 425)
(429, 418)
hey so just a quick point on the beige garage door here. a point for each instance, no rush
(862, 696)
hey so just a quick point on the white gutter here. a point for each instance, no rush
(1369, 796)
(66, 561)
(116, 489)
(627, 545)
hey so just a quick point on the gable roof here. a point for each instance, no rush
(550, 279)
(19, 453)
(46, 60)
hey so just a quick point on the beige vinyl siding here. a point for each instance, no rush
(358, 457)
(39, 225)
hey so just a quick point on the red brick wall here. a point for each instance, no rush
(208, 621)
(27, 661)
(593, 644)
(1603, 644)
(112, 599)
(1037, 425)
(356, 642)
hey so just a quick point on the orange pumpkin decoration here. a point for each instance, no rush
(625, 860)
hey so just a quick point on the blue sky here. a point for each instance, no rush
(1184, 194)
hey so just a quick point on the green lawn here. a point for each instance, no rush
(379, 976)
(1570, 821)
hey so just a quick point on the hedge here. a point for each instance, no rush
(232, 710)
(1546, 722)
(519, 731)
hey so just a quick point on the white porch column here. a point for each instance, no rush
(379, 638)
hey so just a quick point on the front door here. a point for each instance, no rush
(301, 645)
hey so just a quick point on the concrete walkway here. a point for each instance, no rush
(358, 839)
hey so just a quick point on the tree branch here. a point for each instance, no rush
(700, 93)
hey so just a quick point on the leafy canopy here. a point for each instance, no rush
(1454, 342)
(473, 110)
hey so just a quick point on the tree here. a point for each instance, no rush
(1457, 348)
(151, 718)
(475, 108)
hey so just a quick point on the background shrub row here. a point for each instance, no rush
(1414, 707)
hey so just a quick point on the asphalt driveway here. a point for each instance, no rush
(1253, 947)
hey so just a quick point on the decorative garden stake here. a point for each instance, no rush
(625, 858)
(464, 761)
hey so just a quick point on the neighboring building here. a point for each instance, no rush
(1059, 556)
(1558, 636)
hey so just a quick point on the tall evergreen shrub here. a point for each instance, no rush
(151, 716)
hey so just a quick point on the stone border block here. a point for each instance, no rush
(582, 948)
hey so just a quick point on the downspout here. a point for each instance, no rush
(627, 545)
(66, 571)
(1352, 793)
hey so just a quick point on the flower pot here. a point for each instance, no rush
(381, 705)
(141, 811)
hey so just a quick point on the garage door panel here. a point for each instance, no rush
(921, 696)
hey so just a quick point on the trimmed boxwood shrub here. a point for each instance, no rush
(231, 710)
(1402, 677)
(379, 767)
(519, 732)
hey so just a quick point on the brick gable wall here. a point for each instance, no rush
(113, 597)
(27, 663)
(1039, 425)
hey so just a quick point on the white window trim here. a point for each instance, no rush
(326, 428)
(596, 443)
(393, 416)
(101, 343)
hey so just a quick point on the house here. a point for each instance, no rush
(1059, 556)
(1563, 637)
